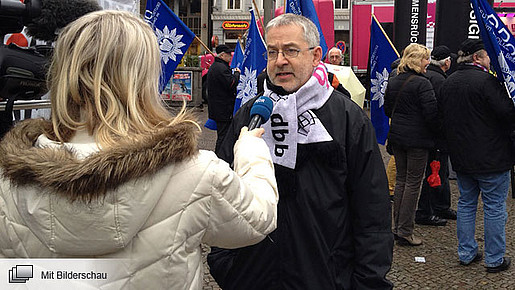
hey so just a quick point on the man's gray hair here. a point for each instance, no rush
(337, 49)
(439, 63)
(465, 58)
(310, 30)
(469, 58)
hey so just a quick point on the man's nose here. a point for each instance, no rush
(281, 59)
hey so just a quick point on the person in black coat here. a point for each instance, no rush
(434, 204)
(411, 104)
(478, 117)
(334, 214)
(221, 91)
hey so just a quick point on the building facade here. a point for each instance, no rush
(237, 11)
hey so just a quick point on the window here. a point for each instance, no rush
(341, 4)
(259, 4)
(234, 4)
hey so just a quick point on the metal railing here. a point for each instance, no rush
(27, 104)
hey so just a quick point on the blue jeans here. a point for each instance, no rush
(494, 189)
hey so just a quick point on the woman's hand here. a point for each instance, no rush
(258, 132)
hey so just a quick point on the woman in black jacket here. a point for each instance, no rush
(411, 104)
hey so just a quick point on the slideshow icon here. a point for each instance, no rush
(20, 274)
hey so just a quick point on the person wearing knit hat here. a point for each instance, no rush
(477, 118)
(440, 52)
(469, 46)
(434, 204)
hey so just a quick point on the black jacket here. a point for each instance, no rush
(334, 216)
(413, 111)
(437, 76)
(221, 90)
(478, 118)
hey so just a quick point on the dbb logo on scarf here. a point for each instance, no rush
(279, 132)
(293, 109)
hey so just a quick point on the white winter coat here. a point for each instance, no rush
(150, 204)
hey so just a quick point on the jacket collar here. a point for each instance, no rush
(276, 89)
(90, 178)
(407, 73)
(474, 66)
(217, 59)
(437, 69)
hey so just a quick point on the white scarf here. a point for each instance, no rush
(293, 122)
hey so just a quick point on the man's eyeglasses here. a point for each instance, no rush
(272, 54)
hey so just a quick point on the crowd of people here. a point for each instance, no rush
(301, 203)
(468, 116)
(424, 129)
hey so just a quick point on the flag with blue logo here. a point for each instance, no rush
(237, 57)
(173, 37)
(253, 64)
(499, 43)
(307, 8)
(382, 54)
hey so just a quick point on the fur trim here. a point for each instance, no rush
(101, 172)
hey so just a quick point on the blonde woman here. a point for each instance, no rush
(411, 104)
(114, 175)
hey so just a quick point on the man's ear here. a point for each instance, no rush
(317, 53)
(475, 58)
(448, 63)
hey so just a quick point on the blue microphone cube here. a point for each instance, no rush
(263, 107)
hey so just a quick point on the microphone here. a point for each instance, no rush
(56, 14)
(260, 112)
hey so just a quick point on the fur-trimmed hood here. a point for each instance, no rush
(62, 172)
(90, 206)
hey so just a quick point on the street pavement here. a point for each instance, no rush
(441, 269)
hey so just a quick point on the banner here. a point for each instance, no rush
(253, 64)
(455, 22)
(307, 8)
(499, 43)
(430, 23)
(173, 36)
(349, 81)
(409, 26)
(237, 57)
(382, 54)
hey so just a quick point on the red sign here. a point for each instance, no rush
(341, 45)
(235, 25)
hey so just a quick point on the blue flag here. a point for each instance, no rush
(173, 37)
(253, 64)
(237, 57)
(499, 43)
(307, 8)
(382, 54)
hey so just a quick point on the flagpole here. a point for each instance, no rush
(284, 6)
(239, 42)
(259, 16)
(205, 47)
(387, 38)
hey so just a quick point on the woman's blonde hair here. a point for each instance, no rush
(104, 78)
(412, 58)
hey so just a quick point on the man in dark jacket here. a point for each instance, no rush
(221, 91)
(478, 117)
(334, 214)
(435, 202)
